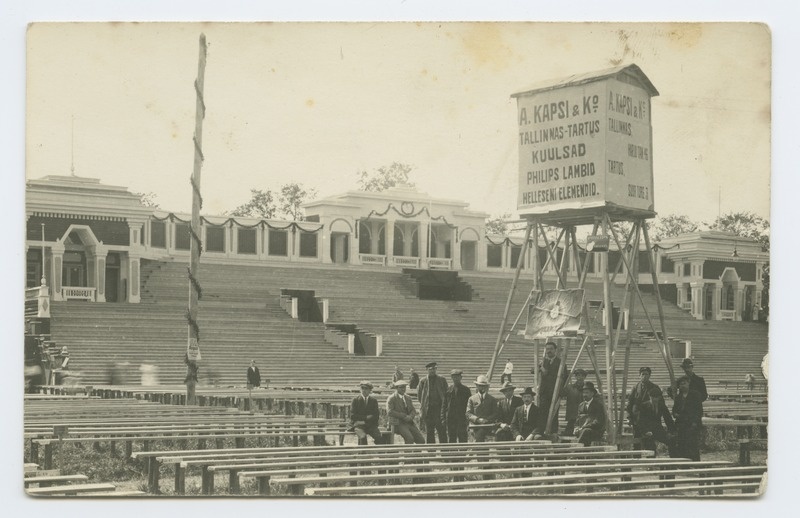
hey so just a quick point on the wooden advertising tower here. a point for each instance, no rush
(585, 145)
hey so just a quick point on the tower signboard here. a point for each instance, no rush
(586, 142)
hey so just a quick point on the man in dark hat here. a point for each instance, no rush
(688, 414)
(454, 408)
(482, 409)
(696, 383)
(401, 411)
(528, 421)
(364, 414)
(431, 393)
(646, 410)
(574, 396)
(592, 416)
(507, 405)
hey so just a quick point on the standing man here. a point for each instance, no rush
(696, 383)
(574, 395)
(507, 371)
(364, 414)
(397, 376)
(401, 413)
(528, 423)
(482, 409)
(646, 409)
(192, 371)
(548, 377)
(413, 381)
(592, 416)
(688, 414)
(455, 407)
(431, 392)
(507, 406)
(253, 381)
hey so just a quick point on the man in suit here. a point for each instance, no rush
(696, 383)
(574, 395)
(548, 377)
(507, 406)
(455, 407)
(431, 393)
(364, 414)
(413, 380)
(528, 422)
(398, 374)
(646, 410)
(688, 414)
(400, 409)
(253, 376)
(482, 409)
(592, 417)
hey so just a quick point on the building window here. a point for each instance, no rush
(308, 244)
(278, 242)
(515, 251)
(667, 266)
(215, 239)
(183, 238)
(247, 241)
(158, 234)
(687, 269)
(494, 256)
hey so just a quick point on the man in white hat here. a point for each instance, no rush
(400, 409)
(364, 414)
(482, 409)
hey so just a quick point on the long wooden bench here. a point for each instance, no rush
(47, 480)
(73, 489)
(559, 484)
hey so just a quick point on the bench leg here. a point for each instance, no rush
(263, 486)
(233, 482)
(153, 476)
(48, 456)
(128, 449)
(34, 454)
(180, 479)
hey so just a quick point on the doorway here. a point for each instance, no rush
(468, 255)
(112, 278)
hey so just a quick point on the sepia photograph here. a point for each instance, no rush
(407, 260)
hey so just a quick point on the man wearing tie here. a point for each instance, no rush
(482, 409)
(401, 414)
(364, 415)
(507, 405)
(592, 418)
(528, 421)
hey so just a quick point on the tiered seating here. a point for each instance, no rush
(241, 318)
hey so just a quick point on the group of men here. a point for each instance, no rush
(448, 411)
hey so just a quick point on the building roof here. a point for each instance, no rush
(631, 72)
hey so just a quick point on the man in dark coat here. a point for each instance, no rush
(253, 376)
(688, 414)
(696, 383)
(574, 396)
(401, 412)
(413, 381)
(507, 405)
(646, 410)
(528, 421)
(592, 416)
(455, 407)
(548, 377)
(430, 394)
(482, 409)
(364, 415)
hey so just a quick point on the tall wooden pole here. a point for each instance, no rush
(520, 262)
(607, 325)
(537, 285)
(195, 292)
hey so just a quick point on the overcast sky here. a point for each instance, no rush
(315, 103)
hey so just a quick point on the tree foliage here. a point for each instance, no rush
(745, 224)
(385, 177)
(672, 225)
(286, 203)
(291, 197)
(148, 199)
(261, 205)
(497, 224)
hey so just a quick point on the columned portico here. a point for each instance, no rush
(697, 299)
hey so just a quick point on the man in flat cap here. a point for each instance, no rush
(646, 410)
(507, 405)
(430, 393)
(688, 414)
(696, 383)
(482, 409)
(574, 396)
(364, 414)
(528, 422)
(400, 409)
(455, 407)
(592, 416)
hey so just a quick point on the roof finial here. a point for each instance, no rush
(72, 151)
